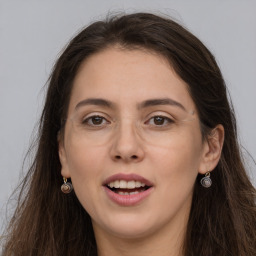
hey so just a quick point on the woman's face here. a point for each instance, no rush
(132, 143)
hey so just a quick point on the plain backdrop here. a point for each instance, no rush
(33, 32)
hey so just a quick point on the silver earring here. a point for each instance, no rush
(206, 180)
(66, 187)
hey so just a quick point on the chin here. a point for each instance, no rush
(128, 227)
(131, 232)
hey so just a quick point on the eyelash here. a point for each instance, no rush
(166, 120)
(89, 121)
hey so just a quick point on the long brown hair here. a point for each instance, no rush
(222, 219)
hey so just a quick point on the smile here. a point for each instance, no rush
(127, 190)
(123, 187)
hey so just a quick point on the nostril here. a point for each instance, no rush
(132, 157)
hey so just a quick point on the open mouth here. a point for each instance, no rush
(123, 187)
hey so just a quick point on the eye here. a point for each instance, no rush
(159, 121)
(95, 121)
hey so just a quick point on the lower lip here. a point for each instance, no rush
(128, 200)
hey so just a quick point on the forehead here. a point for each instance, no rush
(122, 75)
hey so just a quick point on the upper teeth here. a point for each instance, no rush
(126, 184)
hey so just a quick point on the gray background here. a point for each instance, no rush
(33, 32)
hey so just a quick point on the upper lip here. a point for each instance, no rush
(127, 177)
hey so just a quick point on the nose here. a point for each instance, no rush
(127, 146)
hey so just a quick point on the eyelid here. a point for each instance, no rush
(160, 113)
(85, 120)
(167, 117)
(164, 117)
(93, 114)
(108, 119)
(89, 117)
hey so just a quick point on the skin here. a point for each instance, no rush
(128, 139)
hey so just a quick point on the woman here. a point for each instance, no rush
(137, 120)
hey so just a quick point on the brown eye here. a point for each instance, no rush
(159, 120)
(95, 121)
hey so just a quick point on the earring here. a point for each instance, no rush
(66, 187)
(206, 181)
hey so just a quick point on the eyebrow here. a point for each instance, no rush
(144, 104)
(95, 101)
(163, 101)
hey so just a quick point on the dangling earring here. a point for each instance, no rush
(66, 187)
(206, 181)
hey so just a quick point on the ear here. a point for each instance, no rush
(63, 157)
(212, 149)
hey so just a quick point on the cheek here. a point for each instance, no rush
(82, 157)
(179, 159)
(85, 165)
